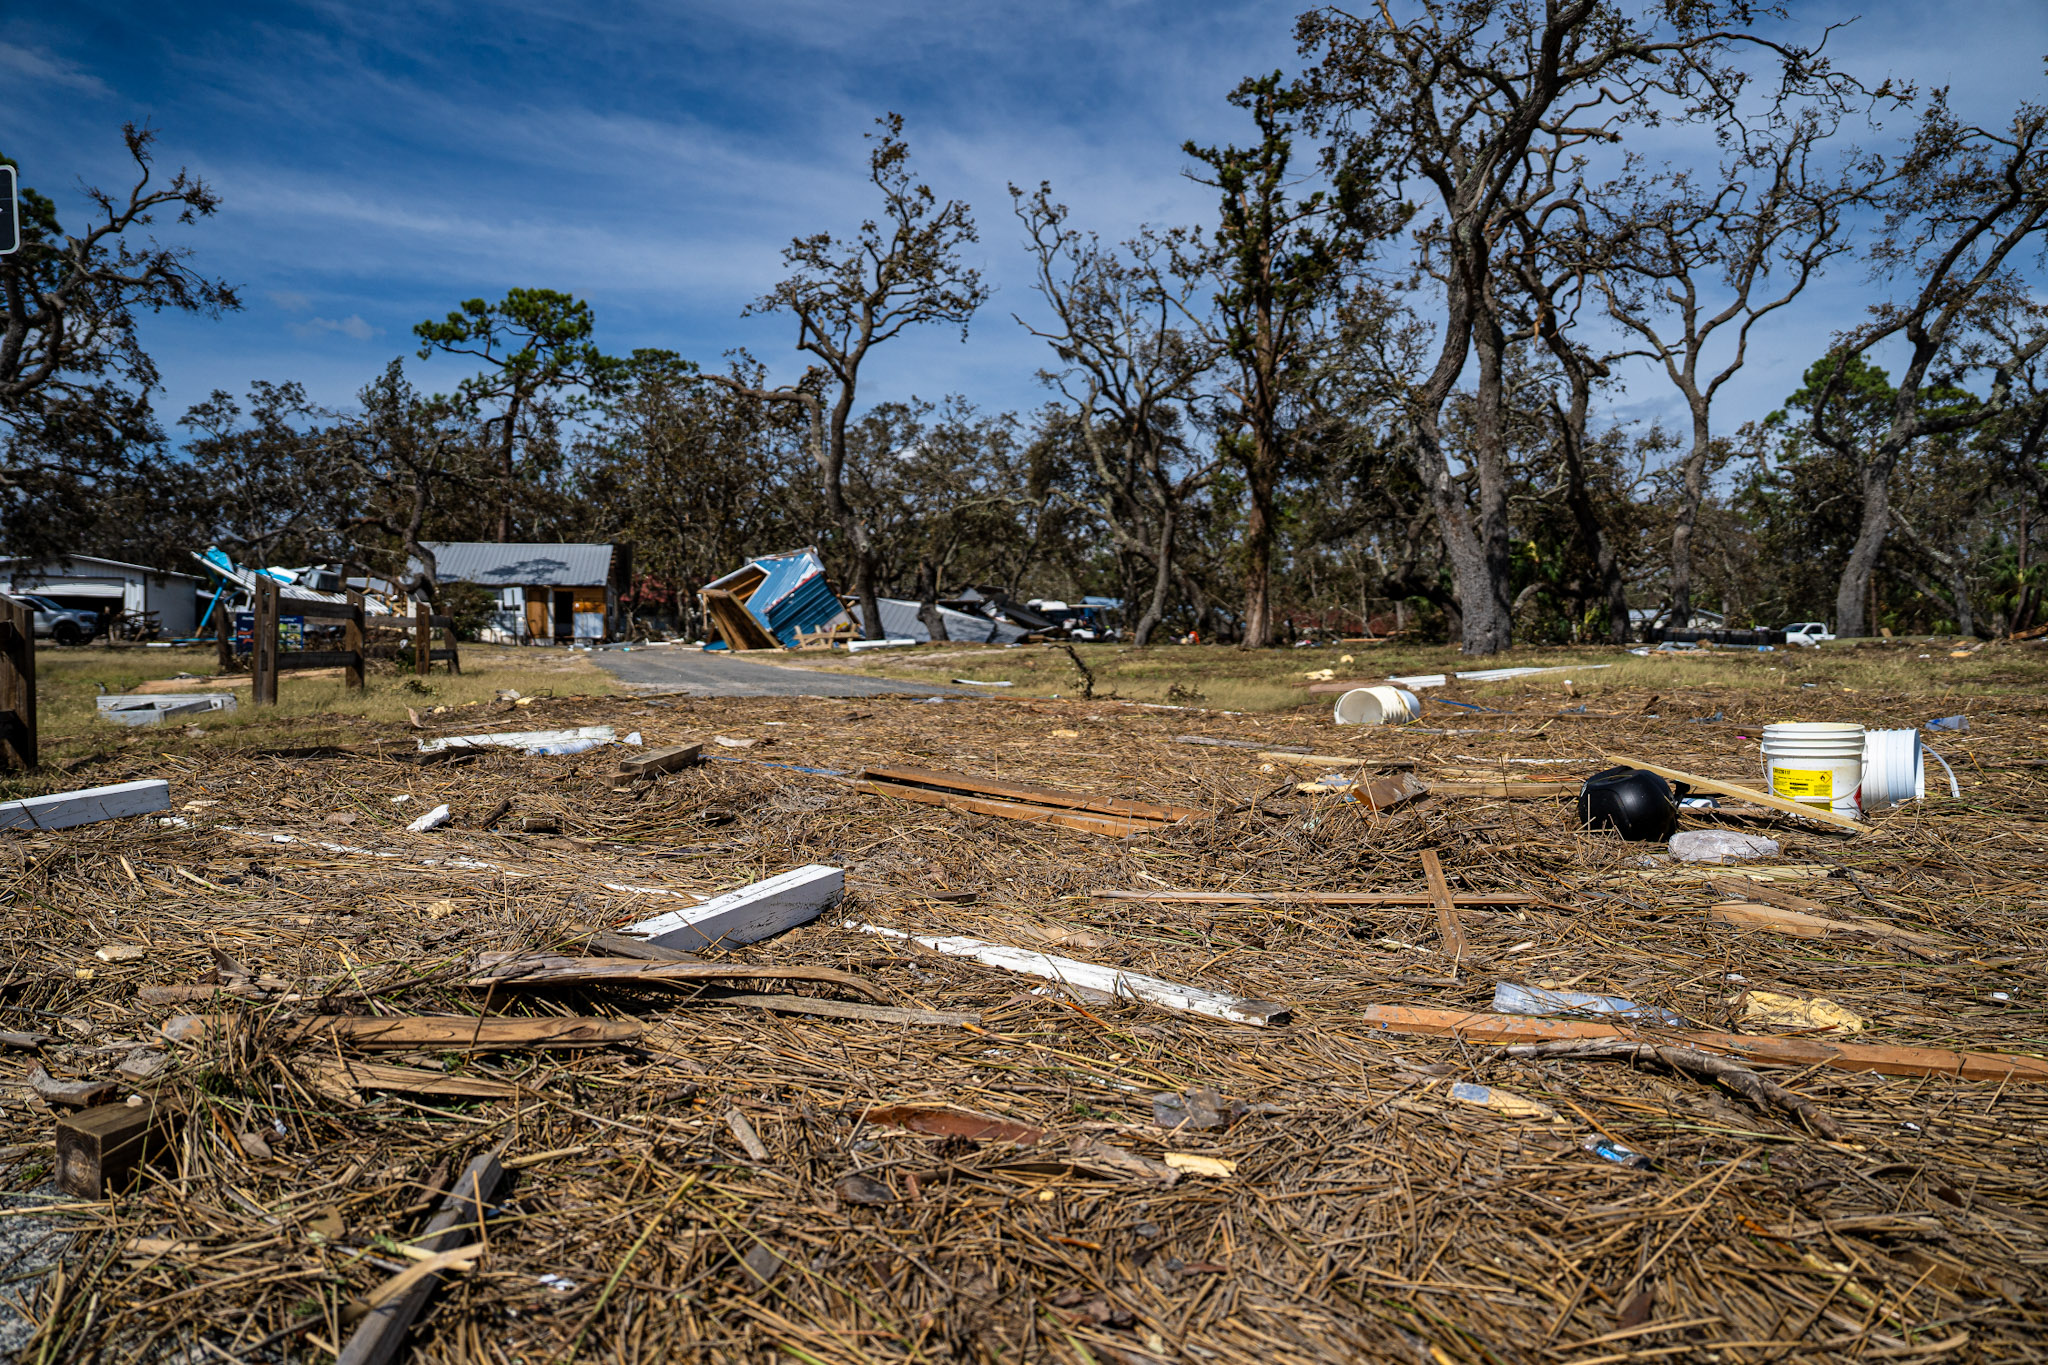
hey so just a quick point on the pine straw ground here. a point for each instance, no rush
(1369, 1214)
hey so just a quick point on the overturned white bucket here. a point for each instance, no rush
(1816, 763)
(1377, 706)
(1894, 769)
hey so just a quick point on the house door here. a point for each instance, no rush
(565, 614)
(537, 616)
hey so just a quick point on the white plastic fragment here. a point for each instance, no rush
(1721, 846)
(62, 810)
(1129, 985)
(751, 913)
(433, 819)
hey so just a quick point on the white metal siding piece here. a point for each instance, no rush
(65, 809)
(751, 913)
(1073, 972)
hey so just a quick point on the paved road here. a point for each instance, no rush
(717, 674)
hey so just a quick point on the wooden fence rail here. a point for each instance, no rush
(266, 662)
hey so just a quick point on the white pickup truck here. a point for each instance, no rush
(1809, 633)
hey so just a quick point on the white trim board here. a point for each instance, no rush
(62, 810)
(1090, 975)
(749, 914)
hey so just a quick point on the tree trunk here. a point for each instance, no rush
(1692, 491)
(506, 472)
(1258, 569)
(1162, 577)
(928, 601)
(1857, 573)
(1478, 568)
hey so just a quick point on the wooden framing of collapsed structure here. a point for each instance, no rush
(266, 662)
(17, 684)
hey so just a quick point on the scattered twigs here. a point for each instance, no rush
(1699, 1065)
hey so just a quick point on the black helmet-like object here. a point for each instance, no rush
(1636, 804)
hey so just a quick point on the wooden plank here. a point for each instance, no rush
(1786, 900)
(1093, 976)
(1446, 909)
(1310, 897)
(1112, 826)
(497, 971)
(1796, 924)
(101, 1150)
(62, 810)
(1765, 1050)
(964, 783)
(380, 1336)
(344, 659)
(422, 641)
(1741, 793)
(749, 914)
(661, 760)
(465, 1034)
(17, 685)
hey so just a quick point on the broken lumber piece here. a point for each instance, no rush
(101, 1150)
(466, 1034)
(62, 810)
(1761, 1049)
(1800, 908)
(1452, 931)
(1793, 924)
(749, 914)
(1738, 792)
(1310, 897)
(964, 784)
(380, 1336)
(499, 970)
(661, 760)
(1071, 971)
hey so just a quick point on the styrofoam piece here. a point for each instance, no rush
(154, 708)
(1073, 972)
(433, 819)
(532, 741)
(891, 643)
(62, 810)
(751, 913)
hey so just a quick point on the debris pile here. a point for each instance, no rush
(1001, 1029)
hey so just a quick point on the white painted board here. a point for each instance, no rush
(1093, 976)
(65, 809)
(749, 914)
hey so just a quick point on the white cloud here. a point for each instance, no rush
(350, 326)
(39, 68)
(291, 300)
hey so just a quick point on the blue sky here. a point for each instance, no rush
(380, 162)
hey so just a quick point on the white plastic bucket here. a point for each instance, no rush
(1893, 769)
(1377, 706)
(1817, 763)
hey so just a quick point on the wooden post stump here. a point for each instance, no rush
(17, 685)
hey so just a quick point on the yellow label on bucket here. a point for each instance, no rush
(1804, 784)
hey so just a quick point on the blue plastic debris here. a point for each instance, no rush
(1462, 705)
(1957, 723)
(1607, 1149)
(1510, 998)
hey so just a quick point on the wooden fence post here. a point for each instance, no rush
(17, 684)
(352, 641)
(223, 634)
(263, 643)
(422, 638)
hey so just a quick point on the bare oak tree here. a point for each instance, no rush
(1132, 366)
(1680, 262)
(1453, 98)
(849, 296)
(1964, 210)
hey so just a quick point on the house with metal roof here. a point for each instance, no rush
(110, 587)
(547, 593)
